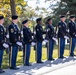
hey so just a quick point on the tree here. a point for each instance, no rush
(9, 7)
(13, 7)
(62, 7)
(65, 7)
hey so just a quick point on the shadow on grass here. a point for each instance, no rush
(5, 63)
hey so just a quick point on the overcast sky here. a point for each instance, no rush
(34, 3)
(42, 3)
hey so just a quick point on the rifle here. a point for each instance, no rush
(34, 37)
(8, 42)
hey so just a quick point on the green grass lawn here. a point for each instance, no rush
(32, 56)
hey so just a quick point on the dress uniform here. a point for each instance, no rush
(13, 37)
(61, 34)
(72, 31)
(27, 38)
(50, 34)
(39, 39)
(2, 40)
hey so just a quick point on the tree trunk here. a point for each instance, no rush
(13, 7)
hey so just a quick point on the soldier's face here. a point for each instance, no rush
(2, 21)
(50, 22)
(15, 21)
(73, 19)
(40, 22)
(63, 19)
(26, 24)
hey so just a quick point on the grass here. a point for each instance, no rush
(5, 63)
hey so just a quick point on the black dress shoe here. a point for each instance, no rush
(51, 59)
(2, 71)
(40, 62)
(28, 64)
(14, 68)
(62, 57)
(72, 55)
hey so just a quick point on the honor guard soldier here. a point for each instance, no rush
(61, 35)
(39, 39)
(72, 31)
(50, 33)
(13, 37)
(27, 38)
(2, 40)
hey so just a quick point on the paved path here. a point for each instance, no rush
(66, 66)
(70, 70)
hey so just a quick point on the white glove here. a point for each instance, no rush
(34, 32)
(66, 37)
(43, 43)
(43, 37)
(7, 36)
(33, 43)
(55, 39)
(5, 45)
(46, 41)
(19, 43)
(21, 32)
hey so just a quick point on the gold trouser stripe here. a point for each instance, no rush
(10, 58)
(70, 45)
(36, 53)
(24, 54)
(59, 47)
(48, 49)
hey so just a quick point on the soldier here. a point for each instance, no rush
(72, 31)
(39, 38)
(62, 35)
(13, 37)
(27, 38)
(2, 40)
(50, 34)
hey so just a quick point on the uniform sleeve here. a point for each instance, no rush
(1, 37)
(39, 32)
(50, 32)
(12, 33)
(26, 33)
(61, 29)
(71, 28)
